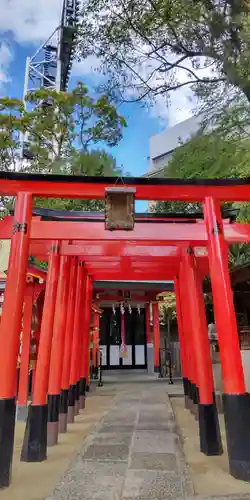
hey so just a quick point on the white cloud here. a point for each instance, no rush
(6, 57)
(176, 105)
(174, 108)
(33, 21)
(30, 21)
(88, 66)
(181, 106)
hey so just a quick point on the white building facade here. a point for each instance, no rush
(163, 145)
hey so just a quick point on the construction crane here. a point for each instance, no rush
(51, 65)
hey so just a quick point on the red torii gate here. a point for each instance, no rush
(72, 269)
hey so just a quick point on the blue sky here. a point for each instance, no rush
(133, 150)
(23, 25)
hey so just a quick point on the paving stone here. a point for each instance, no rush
(161, 413)
(131, 404)
(121, 428)
(112, 438)
(164, 417)
(152, 485)
(153, 407)
(106, 452)
(158, 407)
(153, 418)
(131, 397)
(154, 399)
(154, 442)
(91, 481)
(124, 410)
(121, 419)
(133, 454)
(151, 461)
(156, 425)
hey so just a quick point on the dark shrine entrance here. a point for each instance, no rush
(111, 339)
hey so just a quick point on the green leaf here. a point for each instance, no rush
(61, 130)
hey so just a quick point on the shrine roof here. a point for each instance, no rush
(149, 217)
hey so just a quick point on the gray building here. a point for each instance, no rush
(163, 145)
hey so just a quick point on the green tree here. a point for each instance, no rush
(211, 156)
(96, 163)
(167, 307)
(11, 126)
(167, 311)
(60, 126)
(152, 47)
(207, 156)
(60, 131)
(238, 254)
(68, 124)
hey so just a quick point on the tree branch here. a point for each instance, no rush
(165, 88)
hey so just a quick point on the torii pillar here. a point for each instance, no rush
(182, 340)
(10, 331)
(85, 361)
(192, 386)
(57, 351)
(35, 439)
(23, 386)
(236, 401)
(64, 397)
(209, 431)
(75, 343)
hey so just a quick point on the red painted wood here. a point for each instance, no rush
(86, 328)
(25, 352)
(57, 347)
(88, 190)
(187, 325)
(181, 331)
(69, 324)
(13, 298)
(76, 326)
(230, 356)
(170, 234)
(43, 361)
(200, 342)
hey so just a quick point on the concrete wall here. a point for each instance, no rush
(171, 138)
(161, 162)
(245, 356)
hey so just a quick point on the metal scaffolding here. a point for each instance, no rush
(50, 66)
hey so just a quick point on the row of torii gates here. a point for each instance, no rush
(80, 252)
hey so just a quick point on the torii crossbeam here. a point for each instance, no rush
(80, 251)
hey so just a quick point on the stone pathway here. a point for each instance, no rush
(134, 453)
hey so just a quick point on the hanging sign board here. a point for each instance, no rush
(119, 208)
